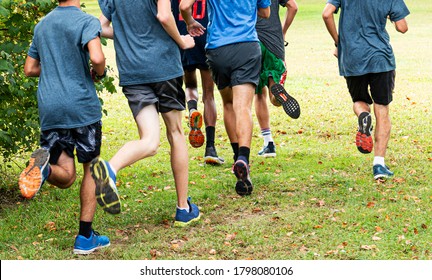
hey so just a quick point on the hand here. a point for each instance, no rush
(195, 29)
(95, 77)
(188, 42)
(335, 52)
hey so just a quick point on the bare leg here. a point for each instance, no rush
(63, 173)
(191, 90)
(242, 102)
(87, 195)
(179, 155)
(261, 109)
(382, 129)
(210, 114)
(149, 132)
(229, 114)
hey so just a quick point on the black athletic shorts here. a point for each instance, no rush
(167, 95)
(86, 140)
(381, 86)
(235, 64)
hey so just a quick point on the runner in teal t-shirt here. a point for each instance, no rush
(367, 62)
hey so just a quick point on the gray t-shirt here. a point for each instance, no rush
(270, 30)
(66, 93)
(145, 53)
(364, 44)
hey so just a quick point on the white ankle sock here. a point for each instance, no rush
(187, 209)
(379, 160)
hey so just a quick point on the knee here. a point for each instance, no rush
(152, 147)
(67, 183)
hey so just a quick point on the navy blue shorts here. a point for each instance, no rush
(381, 86)
(86, 140)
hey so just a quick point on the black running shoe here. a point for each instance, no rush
(211, 157)
(244, 184)
(290, 105)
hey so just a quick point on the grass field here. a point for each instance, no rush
(316, 200)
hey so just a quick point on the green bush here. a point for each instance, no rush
(19, 121)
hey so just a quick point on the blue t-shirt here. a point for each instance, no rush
(364, 44)
(232, 21)
(145, 53)
(66, 93)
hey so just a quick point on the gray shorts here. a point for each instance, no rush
(86, 140)
(235, 64)
(167, 95)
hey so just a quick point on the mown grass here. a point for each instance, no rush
(316, 200)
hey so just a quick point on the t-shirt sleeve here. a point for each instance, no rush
(264, 3)
(33, 52)
(398, 10)
(336, 3)
(91, 30)
(106, 8)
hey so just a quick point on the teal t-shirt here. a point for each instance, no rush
(364, 44)
(66, 93)
(145, 53)
(232, 21)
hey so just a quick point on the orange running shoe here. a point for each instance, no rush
(196, 137)
(364, 141)
(35, 174)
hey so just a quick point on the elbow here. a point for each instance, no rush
(98, 59)
(326, 16)
(163, 18)
(402, 30)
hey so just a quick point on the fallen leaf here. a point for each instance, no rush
(212, 252)
(230, 237)
(376, 238)
(378, 229)
(256, 210)
(370, 204)
(415, 231)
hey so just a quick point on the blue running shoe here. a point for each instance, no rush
(106, 191)
(184, 218)
(35, 174)
(244, 183)
(381, 172)
(85, 246)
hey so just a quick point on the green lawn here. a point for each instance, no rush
(316, 200)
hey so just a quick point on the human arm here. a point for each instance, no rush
(32, 67)
(291, 12)
(107, 30)
(330, 24)
(264, 12)
(166, 18)
(97, 58)
(193, 27)
(401, 26)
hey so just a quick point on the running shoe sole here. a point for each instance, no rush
(290, 105)
(87, 252)
(196, 137)
(244, 184)
(364, 141)
(184, 224)
(214, 160)
(31, 179)
(106, 195)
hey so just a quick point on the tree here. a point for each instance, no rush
(19, 121)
